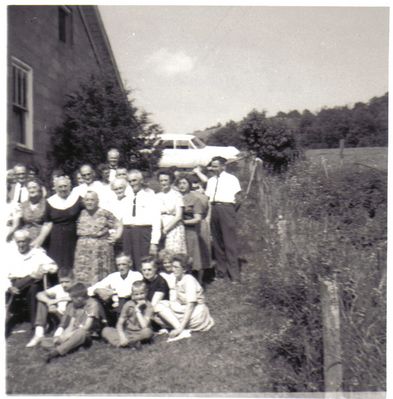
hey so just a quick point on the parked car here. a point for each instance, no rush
(188, 151)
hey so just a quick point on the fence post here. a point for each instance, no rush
(332, 362)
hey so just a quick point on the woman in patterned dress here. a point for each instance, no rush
(97, 230)
(171, 205)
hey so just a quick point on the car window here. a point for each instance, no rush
(167, 144)
(182, 144)
(198, 143)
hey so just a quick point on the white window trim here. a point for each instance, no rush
(29, 114)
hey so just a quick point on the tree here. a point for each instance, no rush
(97, 117)
(270, 139)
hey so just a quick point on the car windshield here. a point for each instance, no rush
(198, 143)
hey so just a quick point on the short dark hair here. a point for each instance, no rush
(150, 259)
(186, 177)
(78, 289)
(138, 284)
(166, 172)
(184, 260)
(222, 160)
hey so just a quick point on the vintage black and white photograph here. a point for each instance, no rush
(196, 200)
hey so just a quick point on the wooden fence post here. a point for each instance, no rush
(332, 353)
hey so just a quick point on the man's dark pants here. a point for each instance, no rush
(136, 243)
(223, 228)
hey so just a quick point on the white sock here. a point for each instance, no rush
(39, 331)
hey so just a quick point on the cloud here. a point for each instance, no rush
(169, 63)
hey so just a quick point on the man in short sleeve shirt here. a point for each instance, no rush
(223, 190)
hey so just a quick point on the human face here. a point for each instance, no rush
(79, 179)
(66, 283)
(135, 182)
(138, 295)
(121, 173)
(63, 189)
(23, 244)
(87, 174)
(119, 190)
(91, 202)
(105, 174)
(216, 167)
(79, 301)
(178, 270)
(113, 159)
(123, 266)
(183, 186)
(167, 265)
(148, 271)
(34, 190)
(165, 182)
(20, 174)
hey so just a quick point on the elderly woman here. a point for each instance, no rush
(97, 230)
(30, 214)
(62, 212)
(192, 217)
(171, 208)
(188, 311)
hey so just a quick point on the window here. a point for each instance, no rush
(182, 144)
(167, 144)
(198, 143)
(22, 103)
(65, 24)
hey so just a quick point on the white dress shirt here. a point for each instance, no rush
(115, 282)
(34, 263)
(223, 188)
(147, 212)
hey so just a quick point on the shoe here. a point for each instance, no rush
(162, 331)
(34, 342)
(182, 335)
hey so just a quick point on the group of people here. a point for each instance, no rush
(111, 253)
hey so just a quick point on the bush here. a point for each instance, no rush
(97, 117)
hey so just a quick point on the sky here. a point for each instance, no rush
(192, 67)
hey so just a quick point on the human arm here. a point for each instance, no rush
(157, 297)
(143, 318)
(117, 227)
(198, 171)
(194, 221)
(45, 231)
(15, 223)
(177, 218)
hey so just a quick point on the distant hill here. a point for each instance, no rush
(204, 134)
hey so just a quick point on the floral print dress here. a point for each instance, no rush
(94, 256)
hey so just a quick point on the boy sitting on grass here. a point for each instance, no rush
(80, 319)
(133, 325)
(52, 301)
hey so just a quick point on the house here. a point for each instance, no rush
(50, 50)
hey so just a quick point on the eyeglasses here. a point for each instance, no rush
(85, 174)
(133, 180)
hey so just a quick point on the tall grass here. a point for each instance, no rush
(318, 224)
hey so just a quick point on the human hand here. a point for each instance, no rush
(52, 308)
(103, 293)
(14, 290)
(153, 249)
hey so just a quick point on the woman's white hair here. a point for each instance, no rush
(58, 179)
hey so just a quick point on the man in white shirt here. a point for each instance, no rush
(223, 190)
(18, 192)
(113, 157)
(142, 224)
(114, 290)
(27, 267)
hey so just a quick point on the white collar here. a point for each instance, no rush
(60, 203)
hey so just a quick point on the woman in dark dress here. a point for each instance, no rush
(62, 212)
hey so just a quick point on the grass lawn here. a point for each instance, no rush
(376, 157)
(230, 358)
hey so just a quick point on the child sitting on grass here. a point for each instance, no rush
(81, 317)
(133, 325)
(52, 301)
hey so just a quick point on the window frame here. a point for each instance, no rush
(27, 106)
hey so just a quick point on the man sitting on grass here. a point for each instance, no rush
(80, 319)
(52, 301)
(115, 289)
(133, 325)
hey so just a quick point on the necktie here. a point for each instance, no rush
(134, 206)
(215, 190)
(20, 194)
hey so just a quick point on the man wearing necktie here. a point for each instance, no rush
(113, 157)
(142, 225)
(223, 190)
(19, 191)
